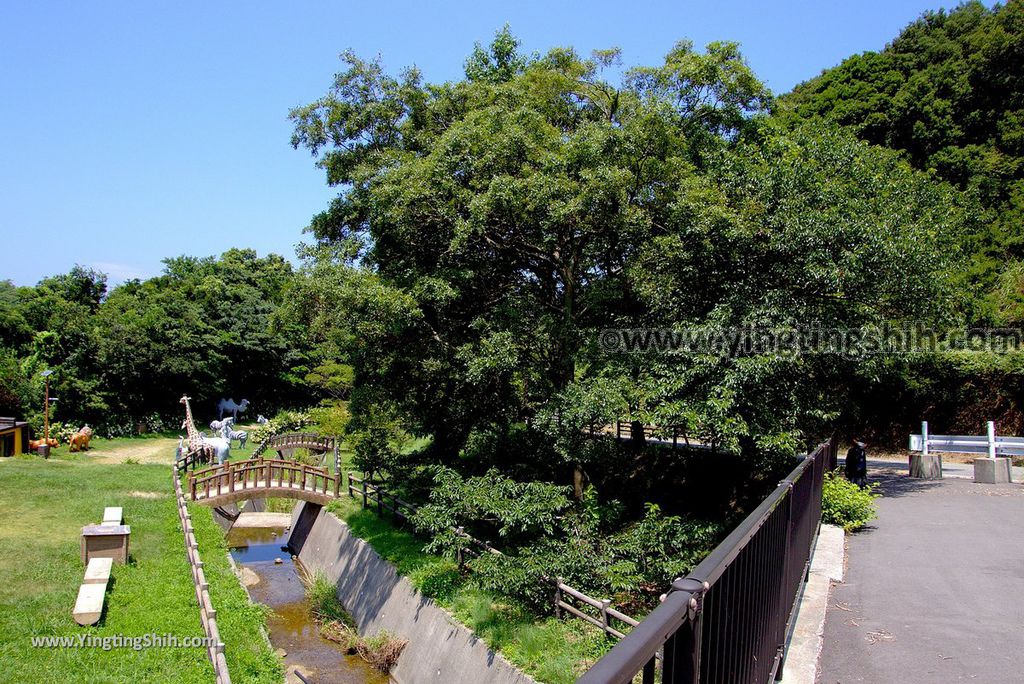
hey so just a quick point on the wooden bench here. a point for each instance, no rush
(112, 515)
(101, 545)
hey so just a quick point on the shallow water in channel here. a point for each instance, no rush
(291, 625)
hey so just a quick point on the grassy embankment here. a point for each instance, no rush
(44, 504)
(551, 650)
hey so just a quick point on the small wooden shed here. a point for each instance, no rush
(13, 436)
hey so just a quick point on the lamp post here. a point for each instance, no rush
(46, 412)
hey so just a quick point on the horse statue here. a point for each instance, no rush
(218, 425)
(229, 406)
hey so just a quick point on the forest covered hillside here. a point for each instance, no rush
(947, 92)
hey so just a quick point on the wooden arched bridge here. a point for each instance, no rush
(259, 478)
(286, 443)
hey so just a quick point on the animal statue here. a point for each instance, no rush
(229, 406)
(241, 435)
(261, 419)
(34, 444)
(217, 446)
(80, 440)
(218, 425)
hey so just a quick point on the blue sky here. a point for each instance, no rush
(136, 131)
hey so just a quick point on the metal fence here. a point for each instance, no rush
(729, 619)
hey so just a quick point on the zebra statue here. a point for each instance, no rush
(241, 435)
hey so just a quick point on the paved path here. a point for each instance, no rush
(934, 589)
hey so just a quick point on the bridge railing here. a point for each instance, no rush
(260, 473)
(297, 440)
(729, 619)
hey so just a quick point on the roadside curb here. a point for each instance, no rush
(827, 562)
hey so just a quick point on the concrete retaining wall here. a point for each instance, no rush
(439, 650)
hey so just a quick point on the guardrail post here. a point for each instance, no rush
(991, 439)
(681, 659)
(924, 437)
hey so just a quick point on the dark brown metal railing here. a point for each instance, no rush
(728, 620)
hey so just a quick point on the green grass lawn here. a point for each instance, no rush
(551, 650)
(44, 504)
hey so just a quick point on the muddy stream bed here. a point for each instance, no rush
(291, 626)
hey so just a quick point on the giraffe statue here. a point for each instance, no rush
(198, 441)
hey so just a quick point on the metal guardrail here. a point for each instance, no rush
(207, 613)
(729, 619)
(991, 445)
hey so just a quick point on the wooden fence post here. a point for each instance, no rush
(337, 469)
(558, 597)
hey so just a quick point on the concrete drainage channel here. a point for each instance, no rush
(270, 576)
(378, 598)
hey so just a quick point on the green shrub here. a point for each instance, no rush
(845, 504)
(437, 580)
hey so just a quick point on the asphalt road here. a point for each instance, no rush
(934, 589)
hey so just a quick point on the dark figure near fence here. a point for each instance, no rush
(857, 464)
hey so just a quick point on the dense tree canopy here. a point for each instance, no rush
(486, 230)
(207, 327)
(948, 92)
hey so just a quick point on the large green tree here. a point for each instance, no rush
(486, 230)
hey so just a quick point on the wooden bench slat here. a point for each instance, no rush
(98, 571)
(89, 605)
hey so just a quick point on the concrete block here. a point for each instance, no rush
(926, 467)
(89, 605)
(992, 470)
(98, 571)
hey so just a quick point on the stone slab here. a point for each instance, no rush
(113, 515)
(89, 605)
(98, 571)
(804, 647)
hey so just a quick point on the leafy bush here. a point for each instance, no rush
(438, 580)
(284, 421)
(845, 504)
